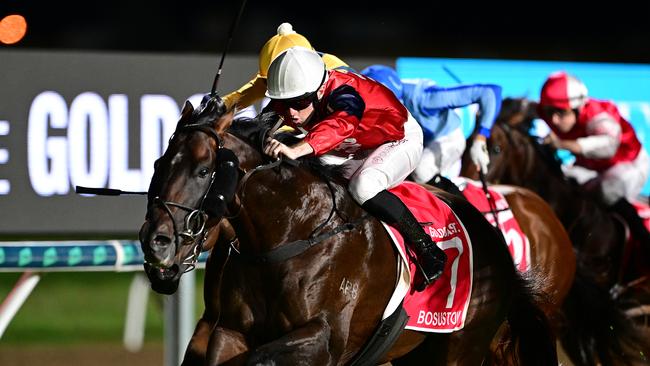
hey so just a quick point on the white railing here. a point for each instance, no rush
(34, 257)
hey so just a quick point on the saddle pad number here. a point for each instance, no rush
(457, 244)
(517, 241)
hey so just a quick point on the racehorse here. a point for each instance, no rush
(276, 296)
(596, 329)
(551, 252)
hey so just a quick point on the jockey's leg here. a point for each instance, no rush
(390, 209)
(385, 168)
(428, 167)
(622, 182)
(441, 155)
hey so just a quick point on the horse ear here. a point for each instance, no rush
(222, 124)
(532, 109)
(187, 110)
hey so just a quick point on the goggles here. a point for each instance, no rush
(298, 103)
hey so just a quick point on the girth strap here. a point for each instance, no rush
(383, 339)
(294, 248)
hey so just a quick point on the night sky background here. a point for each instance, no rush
(533, 30)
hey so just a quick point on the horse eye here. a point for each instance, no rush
(203, 172)
(496, 149)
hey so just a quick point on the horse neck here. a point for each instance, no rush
(534, 172)
(286, 204)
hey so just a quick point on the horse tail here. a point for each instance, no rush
(596, 327)
(531, 340)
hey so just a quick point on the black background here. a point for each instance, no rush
(543, 30)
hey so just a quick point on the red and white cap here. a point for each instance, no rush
(563, 91)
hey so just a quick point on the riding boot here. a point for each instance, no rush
(631, 216)
(430, 259)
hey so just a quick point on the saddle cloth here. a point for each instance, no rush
(442, 306)
(518, 243)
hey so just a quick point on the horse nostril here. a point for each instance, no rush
(161, 240)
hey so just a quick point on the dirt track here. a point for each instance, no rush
(93, 355)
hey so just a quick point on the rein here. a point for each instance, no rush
(193, 232)
(292, 249)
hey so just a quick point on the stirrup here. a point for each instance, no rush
(426, 280)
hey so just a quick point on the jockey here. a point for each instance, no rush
(431, 105)
(603, 142)
(353, 121)
(286, 37)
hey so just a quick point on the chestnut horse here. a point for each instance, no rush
(274, 296)
(596, 330)
(551, 253)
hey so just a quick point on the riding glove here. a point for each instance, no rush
(479, 154)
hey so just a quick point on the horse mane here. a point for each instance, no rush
(511, 107)
(546, 152)
(254, 132)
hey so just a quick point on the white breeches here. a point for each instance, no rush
(441, 155)
(385, 167)
(624, 180)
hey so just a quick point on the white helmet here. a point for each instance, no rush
(296, 72)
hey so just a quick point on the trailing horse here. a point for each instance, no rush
(596, 329)
(308, 275)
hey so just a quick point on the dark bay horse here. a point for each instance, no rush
(596, 330)
(268, 302)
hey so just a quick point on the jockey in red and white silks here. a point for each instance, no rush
(357, 122)
(603, 142)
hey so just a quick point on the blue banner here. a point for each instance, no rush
(628, 85)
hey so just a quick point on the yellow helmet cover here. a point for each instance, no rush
(286, 38)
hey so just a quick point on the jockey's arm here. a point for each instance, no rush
(275, 148)
(570, 145)
(248, 94)
(603, 140)
(488, 96)
(601, 143)
(596, 147)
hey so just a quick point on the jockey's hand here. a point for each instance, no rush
(479, 153)
(571, 145)
(552, 139)
(274, 148)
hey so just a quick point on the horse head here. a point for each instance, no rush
(517, 157)
(184, 197)
(511, 155)
(518, 112)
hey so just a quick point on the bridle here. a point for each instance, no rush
(194, 232)
(194, 222)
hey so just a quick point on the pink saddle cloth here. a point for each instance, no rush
(442, 306)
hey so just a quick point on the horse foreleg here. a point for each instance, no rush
(198, 346)
(226, 347)
(307, 345)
